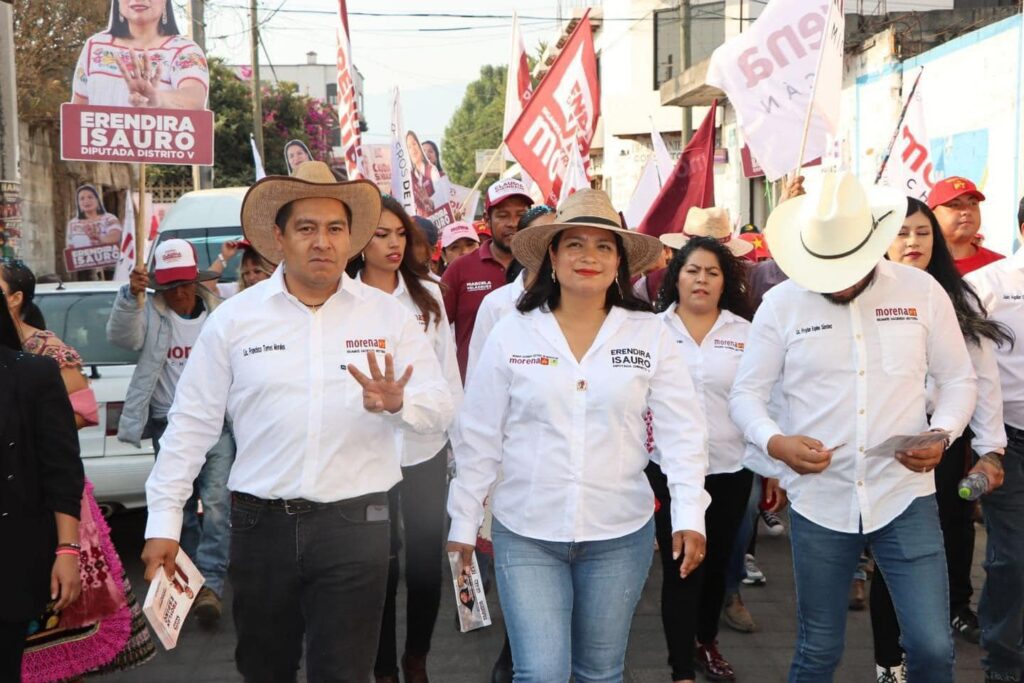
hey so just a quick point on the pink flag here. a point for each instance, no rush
(348, 112)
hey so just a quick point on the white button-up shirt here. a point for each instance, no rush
(418, 448)
(1001, 288)
(713, 364)
(569, 437)
(855, 375)
(493, 308)
(279, 371)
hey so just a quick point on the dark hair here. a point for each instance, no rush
(437, 153)
(1020, 214)
(285, 212)
(513, 270)
(532, 214)
(119, 27)
(970, 312)
(735, 289)
(413, 272)
(547, 293)
(9, 337)
(19, 278)
(95, 193)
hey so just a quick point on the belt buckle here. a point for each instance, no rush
(294, 507)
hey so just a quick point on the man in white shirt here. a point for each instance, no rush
(852, 339)
(295, 362)
(1001, 609)
(163, 329)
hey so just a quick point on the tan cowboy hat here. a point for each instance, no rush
(713, 222)
(585, 208)
(312, 179)
(829, 239)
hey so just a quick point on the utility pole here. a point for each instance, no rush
(684, 64)
(202, 177)
(257, 103)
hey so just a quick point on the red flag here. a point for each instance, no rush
(692, 182)
(348, 112)
(562, 111)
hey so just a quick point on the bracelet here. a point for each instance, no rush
(75, 546)
(220, 257)
(68, 551)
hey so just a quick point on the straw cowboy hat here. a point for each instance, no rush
(312, 179)
(829, 239)
(585, 208)
(712, 222)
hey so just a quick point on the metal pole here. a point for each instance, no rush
(257, 103)
(684, 64)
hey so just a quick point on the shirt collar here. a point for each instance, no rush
(399, 288)
(1018, 257)
(275, 285)
(725, 317)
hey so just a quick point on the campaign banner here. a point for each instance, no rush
(401, 172)
(88, 258)
(562, 111)
(518, 86)
(126, 134)
(348, 110)
(465, 197)
(769, 72)
(909, 166)
(378, 165)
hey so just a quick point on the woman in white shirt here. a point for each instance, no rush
(92, 224)
(706, 308)
(920, 244)
(389, 264)
(556, 405)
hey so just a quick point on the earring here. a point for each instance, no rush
(163, 18)
(553, 278)
(121, 17)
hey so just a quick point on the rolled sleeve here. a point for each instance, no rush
(680, 431)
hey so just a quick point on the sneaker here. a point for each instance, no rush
(736, 616)
(713, 664)
(965, 623)
(890, 674)
(772, 524)
(754, 577)
(207, 607)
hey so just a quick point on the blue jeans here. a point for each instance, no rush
(569, 606)
(736, 570)
(910, 554)
(1001, 610)
(208, 541)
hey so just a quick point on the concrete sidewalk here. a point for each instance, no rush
(761, 657)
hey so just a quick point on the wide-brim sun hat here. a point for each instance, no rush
(831, 238)
(713, 222)
(312, 180)
(585, 208)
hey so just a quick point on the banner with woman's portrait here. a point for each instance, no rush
(93, 236)
(139, 92)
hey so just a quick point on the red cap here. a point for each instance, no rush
(760, 251)
(948, 189)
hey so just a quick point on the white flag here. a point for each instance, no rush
(662, 158)
(257, 160)
(517, 82)
(401, 169)
(575, 175)
(126, 263)
(647, 190)
(764, 71)
(909, 167)
(828, 84)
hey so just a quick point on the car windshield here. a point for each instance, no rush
(208, 242)
(80, 320)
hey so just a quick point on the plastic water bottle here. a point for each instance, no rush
(974, 486)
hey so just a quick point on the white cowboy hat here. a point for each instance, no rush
(713, 222)
(312, 179)
(585, 208)
(829, 239)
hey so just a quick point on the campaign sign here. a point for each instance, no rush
(130, 134)
(87, 258)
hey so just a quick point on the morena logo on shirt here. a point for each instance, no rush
(638, 359)
(532, 359)
(366, 345)
(895, 313)
(729, 345)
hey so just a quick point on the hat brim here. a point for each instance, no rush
(677, 240)
(977, 194)
(266, 197)
(530, 246)
(203, 276)
(826, 276)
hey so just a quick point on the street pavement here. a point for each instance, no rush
(206, 656)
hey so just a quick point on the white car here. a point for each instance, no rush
(77, 313)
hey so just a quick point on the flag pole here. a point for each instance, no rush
(899, 124)
(140, 226)
(476, 186)
(814, 93)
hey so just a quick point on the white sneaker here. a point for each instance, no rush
(754, 577)
(890, 674)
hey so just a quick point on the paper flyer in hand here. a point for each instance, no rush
(896, 444)
(471, 603)
(169, 600)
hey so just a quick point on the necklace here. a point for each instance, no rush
(312, 307)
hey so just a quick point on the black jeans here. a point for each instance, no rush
(418, 507)
(12, 645)
(958, 539)
(690, 607)
(318, 574)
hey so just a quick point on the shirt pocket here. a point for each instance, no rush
(904, 349)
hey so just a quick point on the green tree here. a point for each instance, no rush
(476, 124)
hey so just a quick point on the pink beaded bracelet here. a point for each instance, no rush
(68, 551)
